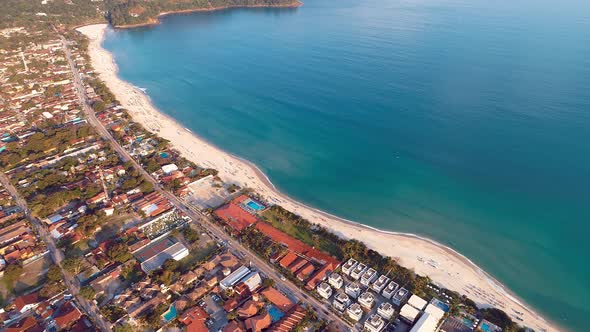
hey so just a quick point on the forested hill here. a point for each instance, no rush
(137, 12)
(68, 13)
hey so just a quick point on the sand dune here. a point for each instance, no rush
(444, 266)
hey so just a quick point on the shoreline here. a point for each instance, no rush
(453, 270)
(156, 20)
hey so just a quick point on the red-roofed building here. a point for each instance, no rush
(289, 258)
(235, 215)
(194, 319)
(296, 245)
(289, 321)
(27, 302)
(275, 297)
(313, 282)
(258, 323)
(66, 315)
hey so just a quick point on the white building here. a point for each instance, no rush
(367, 300)
(353, 290)
(429, 320)
(409, 313)
(385, 310)
(252, 281)
(368, 277)
(375, 323)
(399, 296)
(390, 290)
(324, 290)
(349, 266)
(341, 301)
(169, 168)
(417, 302)
(336, 280)
(426, 323)
(358, 271)
(380, 283)
(355, 312)
(234, 277)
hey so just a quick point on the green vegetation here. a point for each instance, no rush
(302, 230)
(127, 12)
(87, 293)
(12, 273)
(112, 313)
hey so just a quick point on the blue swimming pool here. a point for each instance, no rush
(164, 155)
(484, 327)
(170, 314)
(275, 313)
(255, 206)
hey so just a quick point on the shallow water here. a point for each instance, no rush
(464, 121)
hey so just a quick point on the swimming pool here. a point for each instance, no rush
(275, 313)
(254, 205)
(164, 155)
(170, 314)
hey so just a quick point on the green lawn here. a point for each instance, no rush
(196, 256)
(303, 234)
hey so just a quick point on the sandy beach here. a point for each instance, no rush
(443, 265)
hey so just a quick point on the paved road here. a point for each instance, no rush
(318, 307)
(56, 254)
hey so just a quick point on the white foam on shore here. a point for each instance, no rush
(403, 246)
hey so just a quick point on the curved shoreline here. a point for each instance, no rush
(156, 20)
(403, 246)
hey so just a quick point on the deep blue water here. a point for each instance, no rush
(467, 121)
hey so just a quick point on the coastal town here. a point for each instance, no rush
(107, 226)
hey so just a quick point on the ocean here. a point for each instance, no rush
(465, 121)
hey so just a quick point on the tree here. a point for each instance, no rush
(87, 292)
(190, 234)
(119, 252)
(73, 265)
(11, 274)
(50, 289)
(54, 274)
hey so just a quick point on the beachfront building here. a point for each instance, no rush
(374, 324)
(380, 283)
(341, 301)
(417, 302)
(353, 290)
(336, 280)
(399, 296)
(428, 322)
(358, 271)
(355, 312)
(349, 266)
(367, 300)
(324, 290)
(234, 277)
(385, 310)
(368, 277)
(390, 289)
(409, 313)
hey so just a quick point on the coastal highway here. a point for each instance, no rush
(56, 254)
(321, 309)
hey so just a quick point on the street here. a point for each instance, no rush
(318, 307)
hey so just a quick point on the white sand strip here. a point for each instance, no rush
(442, 264)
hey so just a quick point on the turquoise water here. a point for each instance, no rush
(255, 206)
(275, 313)
(170, 314)
(467, 121)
